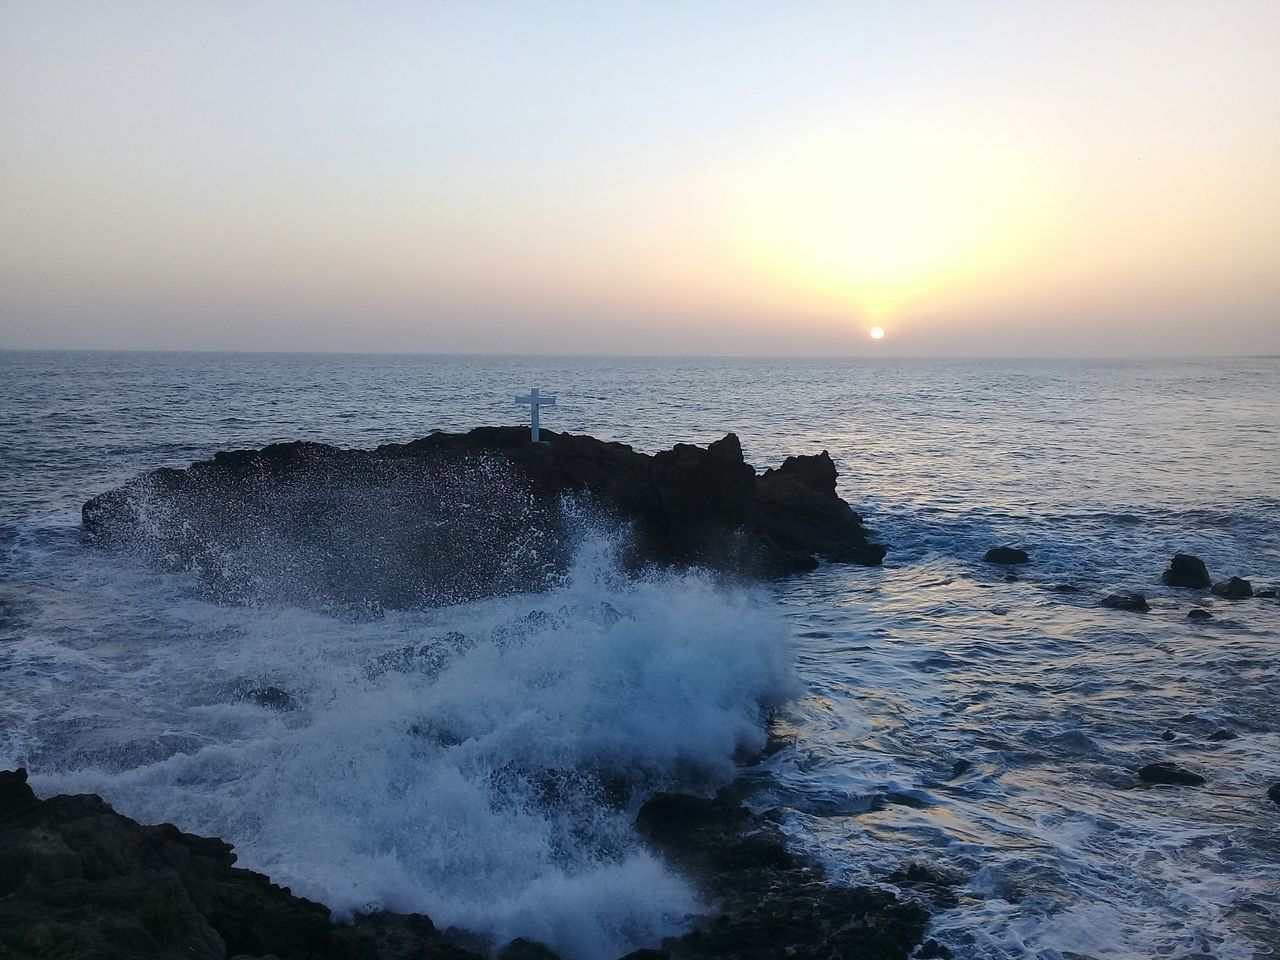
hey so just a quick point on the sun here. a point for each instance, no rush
(877, 333)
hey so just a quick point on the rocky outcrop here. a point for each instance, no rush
(78, 879)
(1236, 588)
(457, 516)
(770, 903)
(1169, 773)
(1006, 556)
(1186, 570)
(1134, 602)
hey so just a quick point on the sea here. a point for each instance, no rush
(934, 710)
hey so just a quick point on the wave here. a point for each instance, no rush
(480, 763)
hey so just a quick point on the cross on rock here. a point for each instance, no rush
(535, 401)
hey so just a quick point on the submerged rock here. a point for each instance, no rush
(1169, 773)
(1270, 593)
(1222, 733)
(1273, 793)
(453, 517)
(1006, 556)
(1186, 570)
(1197, 614)
(1126, 601)
(1237, 588)
(769, 904)
(78, 879)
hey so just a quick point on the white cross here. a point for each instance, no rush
(534, 401)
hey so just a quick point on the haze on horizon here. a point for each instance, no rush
(976, 178)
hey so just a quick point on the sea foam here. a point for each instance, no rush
(479, 763)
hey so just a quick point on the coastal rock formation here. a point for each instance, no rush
(1236, 588)
(1135, 602)
(457, 516)
(78, 879)
(1006, 555)
(770, 903)
(1186, 570)
(1169, 773)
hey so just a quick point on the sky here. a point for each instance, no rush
(974, 178)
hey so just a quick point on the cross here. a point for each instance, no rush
(534, 401)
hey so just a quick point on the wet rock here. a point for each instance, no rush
(931, 880)
(768, 903)
(522, 949)
(1273, 793)
(1006, 556)
(1168, 735)
(1169, 773)
(78, 879)
(1222, 734)
(1065, 588)
(1127, 601)
(434, 521)
(960, 767)
(1270, 593)
(1010, 578)
(1196, 613)
(1236, 588)
(933, 950)
(269, 697)
(1186, 570)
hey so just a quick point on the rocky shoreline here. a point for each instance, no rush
(454, 517)
(79, 880)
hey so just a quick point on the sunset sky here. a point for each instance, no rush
(976, 178)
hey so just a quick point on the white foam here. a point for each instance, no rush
(465, 783)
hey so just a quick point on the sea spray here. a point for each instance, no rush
(463, 762)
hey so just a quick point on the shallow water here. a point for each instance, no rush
(467, 780)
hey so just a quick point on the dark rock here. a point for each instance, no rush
(1222, 734)
(1187, 571)
(961, 766)
(522, 949)
(647, 955)
(769, 903)
(933, 950)
(933, 881)
(1010, 578)
(1273, 793)
(1127, 601)
(273, 698)
(1168, 735)
(1170, 773)
(1270, 593)
(1234, 589)
(1006, 555)
(78, 879)
(438, 520)
(1197, 614)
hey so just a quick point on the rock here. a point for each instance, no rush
(1270, 593)
(1006, 555)
(454, 517)
(522, 949)
(1169, 773)
(1168, 735)
(768, 903)
(270, 697)
(1222, 734)
(1234, 589)
(1273, 793)
(1197, 614)
(932, 881)
(1127, 601)
(1187, 571)
(933, 950)
(78, 879)
(961, 766)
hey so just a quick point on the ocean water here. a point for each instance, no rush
(457, 760)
